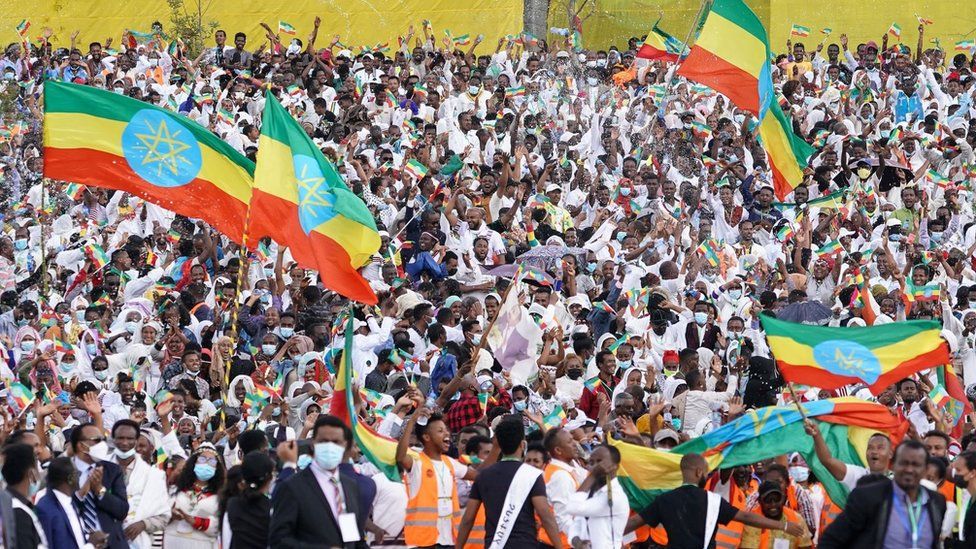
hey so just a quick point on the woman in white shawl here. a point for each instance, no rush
(238, 389)
(632, 376)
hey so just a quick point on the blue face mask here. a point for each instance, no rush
(268, 272)
(701, 318)
(520, 405)
(591, 267)
(20, 244)
(623, 364)
(34, 488)
(204, 472)
(91, 348)
(267, 349)
(304, 461)
(328, 455)
(286, 332)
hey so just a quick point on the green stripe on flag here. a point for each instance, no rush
(876, 336)
(739, 14)
(72, 98)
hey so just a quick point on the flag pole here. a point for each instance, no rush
(691, 35)
(803, 414)
(484, 336)
(242, 271)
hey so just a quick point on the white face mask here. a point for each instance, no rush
(99, 452)
(125, 455)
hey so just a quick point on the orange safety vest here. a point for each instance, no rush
(727, 536)
(476, 538)
(547, 474)
(788, 514)
(828, 514)
(420, 526)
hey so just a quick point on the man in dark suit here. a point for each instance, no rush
(891, 514)
(320, 504)
(101, 498)
(702, 332)
(56, 509)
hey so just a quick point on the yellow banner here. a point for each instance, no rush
(357, 22)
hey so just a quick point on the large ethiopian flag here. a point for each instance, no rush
(301, 202)
(731, 56)
(877, 356)
(100, 138)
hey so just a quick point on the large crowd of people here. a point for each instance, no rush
(586, 255)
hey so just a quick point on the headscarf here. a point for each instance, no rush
(622, 386)
(302, 343)
(23, 333)
(231, 399)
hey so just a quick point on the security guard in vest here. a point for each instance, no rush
(772, 504)
(433, 511)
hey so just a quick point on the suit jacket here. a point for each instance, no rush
(864, 521)
(54, 520)
(301, 517)
(113, 507)
(709, 340)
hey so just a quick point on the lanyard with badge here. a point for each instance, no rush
(914, 512)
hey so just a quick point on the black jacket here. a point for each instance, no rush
(302, 518)
(864, 521)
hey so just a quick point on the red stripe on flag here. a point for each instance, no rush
(278, 218)
(93, 167)
(741, 87)
(820, 377)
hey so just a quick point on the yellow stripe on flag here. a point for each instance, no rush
(276, 166)
(63, 130)
(791, 352)
(731, 42)
(779, 149)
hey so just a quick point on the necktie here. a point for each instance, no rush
(89, 517)
(337, 493)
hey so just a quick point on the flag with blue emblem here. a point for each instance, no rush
(301, 202)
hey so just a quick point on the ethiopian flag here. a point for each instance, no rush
(301, 202)
(660, 45)
(877, 356)
(846, 424)
(380, 450)
(731, 56)
(104, 139)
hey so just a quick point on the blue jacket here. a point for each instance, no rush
(54, 520)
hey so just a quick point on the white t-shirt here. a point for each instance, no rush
(445, 487)
(853, 474)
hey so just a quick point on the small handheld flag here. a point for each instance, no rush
(285, 28)
(895, 30)
(800, 31)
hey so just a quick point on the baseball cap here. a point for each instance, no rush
(553, 188)
(665, 434)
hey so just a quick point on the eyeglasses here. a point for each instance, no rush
(96, 440)
(207, 460)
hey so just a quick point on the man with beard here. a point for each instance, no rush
(690, 514)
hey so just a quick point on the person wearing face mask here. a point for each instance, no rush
(101, 496)
(23, 479)
(690, 515)
(145, 488)
(963, 473)
(320, 491)
(247, 520)
(194, 523)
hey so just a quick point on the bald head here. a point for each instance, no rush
(694, 469)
